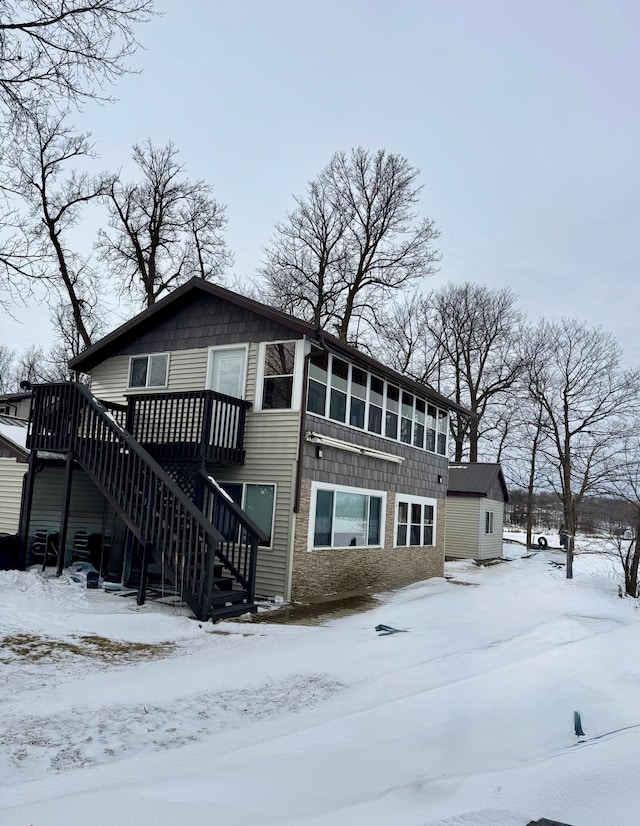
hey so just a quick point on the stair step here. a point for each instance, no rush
(224, 597)
(232, 611)
(223, 583)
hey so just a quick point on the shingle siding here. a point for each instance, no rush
(417, 475)
(206, 322)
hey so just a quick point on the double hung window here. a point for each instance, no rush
(414, 521)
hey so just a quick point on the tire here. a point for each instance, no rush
(542, 543)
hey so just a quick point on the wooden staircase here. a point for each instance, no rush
(208, 552)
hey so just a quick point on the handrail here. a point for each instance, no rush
(189, 424)
(66, 417)
(241, 534)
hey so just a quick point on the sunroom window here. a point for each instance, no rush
(357, 398)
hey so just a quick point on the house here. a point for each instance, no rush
(13, 466)
(242, 451)
(476, 498)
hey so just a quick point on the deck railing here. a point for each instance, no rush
(189, 425)
(66, 417)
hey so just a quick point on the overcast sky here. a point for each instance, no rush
(522, 117)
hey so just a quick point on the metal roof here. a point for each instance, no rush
(475, 478)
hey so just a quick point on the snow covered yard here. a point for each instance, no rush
(113, 714)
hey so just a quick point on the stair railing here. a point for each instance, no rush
(241, 536)
(66, 417)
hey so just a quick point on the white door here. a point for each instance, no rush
(227, 371)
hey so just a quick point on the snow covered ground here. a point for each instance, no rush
(117, 715)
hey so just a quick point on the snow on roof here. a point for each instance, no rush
(15, 430)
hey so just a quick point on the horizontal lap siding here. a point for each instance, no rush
(271, 442)
(491, 544)
(11, 476)
(462, 528)
(87, 509)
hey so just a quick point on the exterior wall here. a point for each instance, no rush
(88, 508)
(11, 476)
(463, 527)
(16, 407)
(334, 571)
(491, 543)
(417, 475)
(187, 371)
(466, 537)
(271, 444)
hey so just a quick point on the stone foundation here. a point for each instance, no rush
(336, 571)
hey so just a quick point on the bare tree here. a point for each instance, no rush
(7, 376)
(464, 341)
(578, 381)
(353, 242)
(45, 209)
(54, 51)
(164, 228)
(37, 366)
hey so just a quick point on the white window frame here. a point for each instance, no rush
(401, 390)
(415, 500)
(244, 484)
(151, 387)
(315, 487)
(219, 348)
(488, 523)
(296, 391)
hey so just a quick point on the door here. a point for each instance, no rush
(227, 370)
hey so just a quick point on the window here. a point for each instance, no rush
(148, 371)
(375, 405)
(358, 397)
(414, 521)
(279, 363)
(339, 384)
(258, 503)
(318, 377)
(347, 517)
(354, 397)
(488, 522)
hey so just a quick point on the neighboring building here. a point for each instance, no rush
(321, 470)
(13, 466)
(476, 498)
(16, 405)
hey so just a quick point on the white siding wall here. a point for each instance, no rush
(11, 475)
(271, 446)
(88, 510)
(462, 528)
(491, 544)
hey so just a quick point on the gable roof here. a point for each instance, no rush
(183, 295)
(475, 479)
